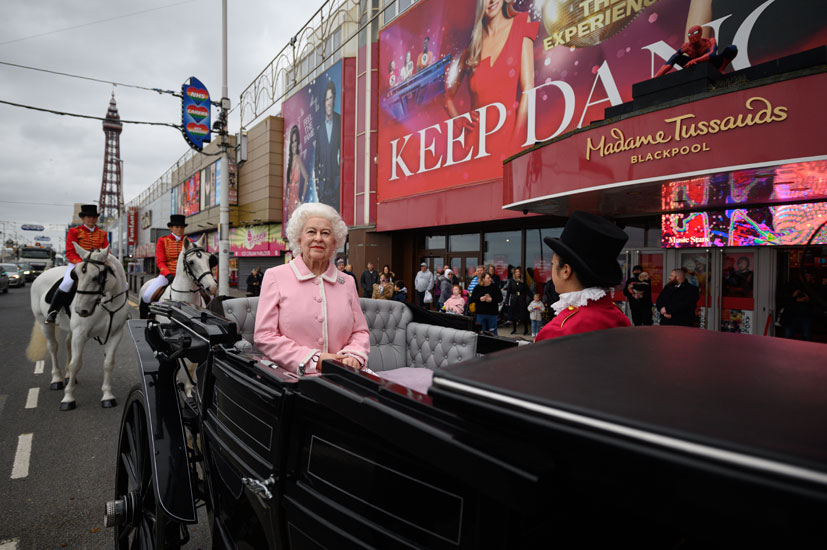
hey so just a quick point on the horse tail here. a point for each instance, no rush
(36, 351)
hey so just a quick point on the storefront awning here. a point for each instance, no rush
(671, 160)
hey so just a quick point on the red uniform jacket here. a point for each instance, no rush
(595, 315)
(87, 239)
(166, 254)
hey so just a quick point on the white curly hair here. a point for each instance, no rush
(315, 210)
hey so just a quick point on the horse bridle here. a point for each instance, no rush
(101, 279)
(196, 251)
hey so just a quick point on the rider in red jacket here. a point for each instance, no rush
(89, 236)
(167, 250)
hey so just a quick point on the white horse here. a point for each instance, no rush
(194, 281)
(98, 311)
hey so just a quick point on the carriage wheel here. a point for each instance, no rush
(136, 515)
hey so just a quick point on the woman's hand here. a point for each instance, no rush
(350, 361)
(342, 358)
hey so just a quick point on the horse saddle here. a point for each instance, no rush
(157, 295)
(70, 295)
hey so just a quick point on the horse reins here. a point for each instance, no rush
(197, 280)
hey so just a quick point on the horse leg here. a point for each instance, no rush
(51, 345)
(78, 343)
(69, 352)
(108, 400)
(190, 366)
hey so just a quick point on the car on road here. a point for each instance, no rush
(27, 270)
(15, 274)
(666, 437)
(4, 281)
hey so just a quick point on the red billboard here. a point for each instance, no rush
(132, 227)
(464, 83)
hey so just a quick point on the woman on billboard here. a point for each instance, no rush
(297, 178)
(499, 64)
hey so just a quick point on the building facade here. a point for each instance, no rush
(413, 118)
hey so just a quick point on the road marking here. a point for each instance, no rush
(10, 544)
(22, 456)
(31, 399)
(38, 369)
(133, 304)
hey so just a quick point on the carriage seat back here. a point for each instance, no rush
(243, 312)
(395, 340)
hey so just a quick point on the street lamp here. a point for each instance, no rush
(120, 215)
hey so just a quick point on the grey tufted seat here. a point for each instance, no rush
(243, 312)
(395, 340)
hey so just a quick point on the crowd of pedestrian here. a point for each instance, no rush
(512, 298)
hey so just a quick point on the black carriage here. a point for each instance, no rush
(655, 437)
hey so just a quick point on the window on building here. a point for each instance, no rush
(502, 249)
(435, 242)
(538, 256)
(395, 8)
(468, 242)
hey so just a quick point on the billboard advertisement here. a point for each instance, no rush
(132, 226)
(466, 83)
(785, 224)
(257, 240)
(312, 142)
(191, 195)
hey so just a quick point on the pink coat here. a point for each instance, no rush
(455, 304)
(300, 314)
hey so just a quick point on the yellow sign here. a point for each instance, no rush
(684, 127)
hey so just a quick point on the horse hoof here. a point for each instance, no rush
(109, 403)
(68, 406)
(56, 386)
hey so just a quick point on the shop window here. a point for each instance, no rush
(468, 242)
(435, 242)
(538, 256)
(502, 249)
(637, 237)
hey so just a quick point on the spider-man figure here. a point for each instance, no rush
(698, 50)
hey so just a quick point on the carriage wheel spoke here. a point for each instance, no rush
(133, 482)
(137, 437)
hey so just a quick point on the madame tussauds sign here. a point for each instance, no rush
(758, 111)
(772, 124)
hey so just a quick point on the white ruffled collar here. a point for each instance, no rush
(578, 298)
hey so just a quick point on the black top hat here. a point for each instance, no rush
(177, 219)
(88, 210)
(591, 245)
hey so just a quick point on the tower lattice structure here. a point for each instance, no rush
(111, 198)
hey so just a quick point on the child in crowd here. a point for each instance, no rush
(639, 288)
(400, 293)
(535, 313)
(456, 303)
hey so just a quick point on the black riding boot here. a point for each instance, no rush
(58, 301)
(143, 310)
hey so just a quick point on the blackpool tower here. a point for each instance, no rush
(111, 198)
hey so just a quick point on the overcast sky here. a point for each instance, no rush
(49, 162)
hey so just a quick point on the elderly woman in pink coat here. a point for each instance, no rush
(308, 310)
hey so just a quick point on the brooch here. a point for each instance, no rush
(340, 280)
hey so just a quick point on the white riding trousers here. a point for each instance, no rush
(66, 284)
(154, 285)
